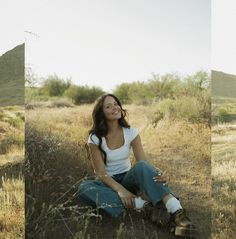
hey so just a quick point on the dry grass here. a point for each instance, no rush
(14, 155)
(11, 185)
(180, 148)
(71, 123)
(224, 181)
(183, 150)
(12, 209)
(11, 129)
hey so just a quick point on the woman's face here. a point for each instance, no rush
(111, 109)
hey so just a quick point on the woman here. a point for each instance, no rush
(118, 184)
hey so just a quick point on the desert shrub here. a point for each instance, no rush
(165, 86)
(54, 168)
(122, 92)
(188, 108)
(204, 97)
(143, 93)
(140, 93)
(83, 94)
(168, 86)
(36, 93)
(55, 86)
(31, 93)
(196, 83)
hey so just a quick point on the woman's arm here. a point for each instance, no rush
(127, 197)
(139, 154)
(137, 147)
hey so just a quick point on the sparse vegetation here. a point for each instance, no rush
(55, 86)
(173, 116)
(166, 87)
(223, 181)
(11, 129)
(11, 165)
(83, 94)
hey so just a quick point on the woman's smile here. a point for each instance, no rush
(116, 112)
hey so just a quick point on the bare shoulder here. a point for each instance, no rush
(94, 148)
(136, 141)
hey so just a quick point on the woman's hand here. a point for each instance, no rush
(161, 177)
(127, 198)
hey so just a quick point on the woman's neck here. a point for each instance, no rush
(113, 126)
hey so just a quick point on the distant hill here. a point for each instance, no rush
(12, 79)
(223, 84)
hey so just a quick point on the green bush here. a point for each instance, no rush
(140, 93)
(168, 86)
(204, 97)
(55, 86)
(165, 86)
(122, 91)
(83, 94)
(188, 108)
(36, 94)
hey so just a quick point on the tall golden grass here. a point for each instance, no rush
(12, 208)
(11, 129)
(224, 181)
(11, 164)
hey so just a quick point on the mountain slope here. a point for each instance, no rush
(12, 73)
(223, 84)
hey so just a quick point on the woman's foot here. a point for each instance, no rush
(181, 225)
(157, 214)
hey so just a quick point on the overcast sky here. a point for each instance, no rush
(107, 42)
(224, 35)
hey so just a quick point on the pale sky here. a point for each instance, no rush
(224, 36)
(107, 42)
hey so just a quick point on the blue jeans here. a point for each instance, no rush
(139, 179)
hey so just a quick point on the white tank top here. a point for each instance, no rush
(118, 160)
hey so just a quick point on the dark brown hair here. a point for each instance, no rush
(100, 127)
